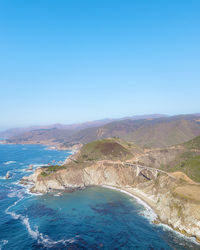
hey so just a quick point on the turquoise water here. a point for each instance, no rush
(93, 218)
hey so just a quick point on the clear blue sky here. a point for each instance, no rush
(71, 61)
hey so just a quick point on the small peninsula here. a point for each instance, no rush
(167, 179)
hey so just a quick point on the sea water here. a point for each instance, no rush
(92, 218)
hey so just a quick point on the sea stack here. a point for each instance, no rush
(7, 175)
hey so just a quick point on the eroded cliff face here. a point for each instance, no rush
(98, 174)
(160, 157)
(176, 203)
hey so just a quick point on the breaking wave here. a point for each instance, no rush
(45, 240)
(151, 215)
(148, 212)
(9, 162)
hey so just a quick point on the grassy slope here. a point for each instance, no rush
(190, 166)
(193, 144)
(106, 149)
(189, 161)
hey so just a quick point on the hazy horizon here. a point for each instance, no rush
(87, 121)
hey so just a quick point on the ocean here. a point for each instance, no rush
(92, 218)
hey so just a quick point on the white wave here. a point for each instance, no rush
(13, 214)
(34, 233)
(71, 152)
(58, 194)
(180, 235)
(151, 215)
(9, 162)
(148, 213)
(26, 169)
(43, 239)
(39, 165)
(13, 194)
(27, 191)
(17, 183)
(10, 177)
(2, 243)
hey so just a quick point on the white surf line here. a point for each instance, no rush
(9, 162)
(139, 200)
(149, 209)
(14, 215)
(35, 234)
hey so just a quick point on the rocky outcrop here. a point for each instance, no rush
(7, 175)
(160, 157)
(176, 202)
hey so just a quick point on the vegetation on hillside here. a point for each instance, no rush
(190, 166)
(188, 161)
(193, 144)
(51, 169)
(106, 149)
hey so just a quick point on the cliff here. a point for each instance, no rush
(176, 202)
(116, 163)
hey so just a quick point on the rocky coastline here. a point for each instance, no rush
(50, 146)
(173, 200)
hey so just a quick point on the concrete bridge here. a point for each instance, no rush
(143, 170)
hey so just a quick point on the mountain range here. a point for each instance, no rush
(146, 131)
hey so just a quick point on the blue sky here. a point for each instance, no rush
(70, 61)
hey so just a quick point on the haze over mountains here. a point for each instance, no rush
(147, 131)
(76, 126)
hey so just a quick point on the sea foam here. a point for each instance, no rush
(45, 240)
(151, 215)
(9, 162)
(148, 213)
(2, 243)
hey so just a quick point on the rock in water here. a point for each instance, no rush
(8, 175)
(30, 168)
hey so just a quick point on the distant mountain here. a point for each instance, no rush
(42, 136)
(18, 131)
(159, 132)
(149, 132)
(77, 126)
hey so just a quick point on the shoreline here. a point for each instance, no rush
(133, 194)
(150, 207)
(48, 145)
(152, 212)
